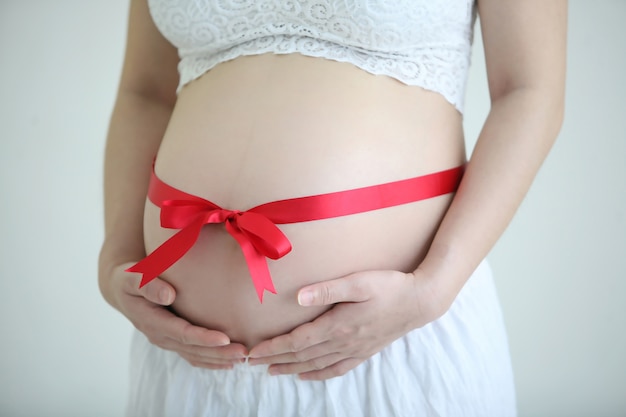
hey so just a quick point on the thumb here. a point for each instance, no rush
(351, 288)
(156, 291)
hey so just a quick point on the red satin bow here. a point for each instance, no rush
(255, 230)
(256, 234)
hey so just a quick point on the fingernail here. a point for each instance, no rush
(273, 371)
(165, 296)
(305, 298)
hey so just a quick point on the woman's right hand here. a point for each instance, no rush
(147, 309)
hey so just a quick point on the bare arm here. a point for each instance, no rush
(142, 110)
(525, 53)
(144, 104)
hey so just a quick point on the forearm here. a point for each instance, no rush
(135, 132)
(516, 138)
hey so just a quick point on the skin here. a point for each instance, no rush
(526, 74)
(145, 100)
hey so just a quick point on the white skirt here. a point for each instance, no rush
(457, 366)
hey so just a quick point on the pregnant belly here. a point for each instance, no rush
(265, 128)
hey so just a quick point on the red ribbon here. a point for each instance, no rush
(255, 230)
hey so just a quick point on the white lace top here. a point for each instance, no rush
(424, 43)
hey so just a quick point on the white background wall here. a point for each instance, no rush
(561, 266)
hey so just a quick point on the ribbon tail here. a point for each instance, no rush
(257, 263)
(168, 253)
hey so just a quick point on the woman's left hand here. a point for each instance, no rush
(372, 309)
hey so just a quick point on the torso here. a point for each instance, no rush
(269, 127)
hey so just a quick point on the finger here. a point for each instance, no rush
(351, 288)
(303, 337)
(180, 330)
(308, 354)
(337, 369)
(316, 364)
(211, 366)
(212, 358)
(201, 363)
(156, 291)
(225, 355)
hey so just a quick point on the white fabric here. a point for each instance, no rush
(424, 43)
(457, 366)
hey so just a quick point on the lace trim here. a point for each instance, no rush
(425, 43)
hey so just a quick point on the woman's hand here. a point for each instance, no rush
(146, 309)
(372, 309)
